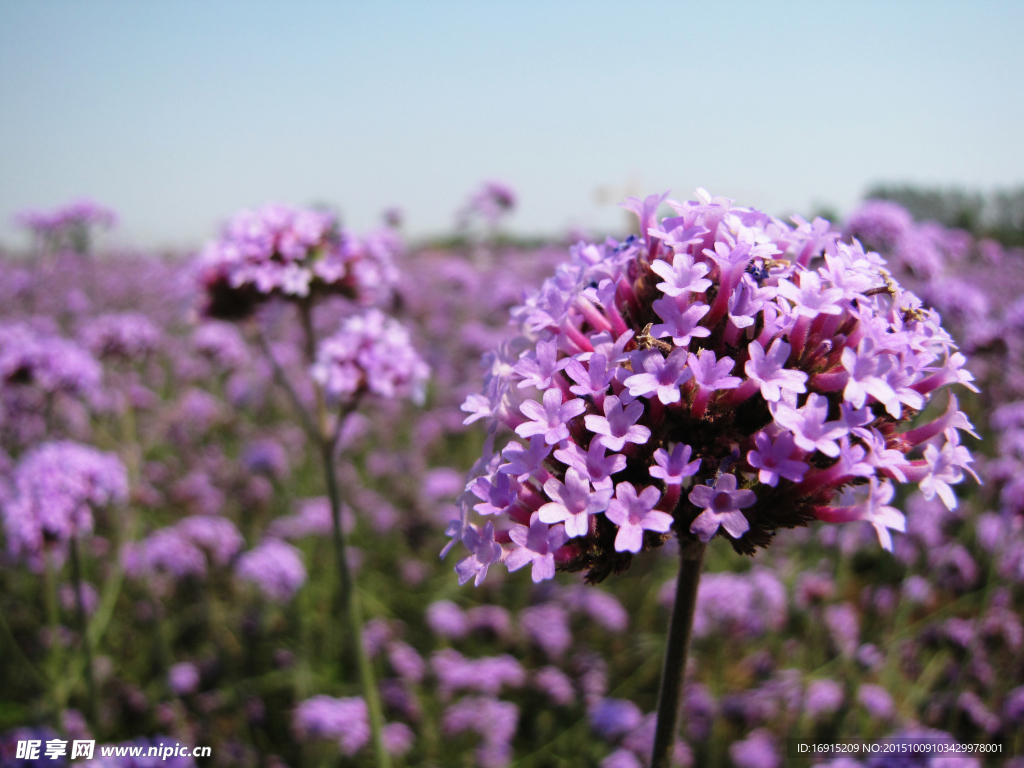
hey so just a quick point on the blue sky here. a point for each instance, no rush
(179, 113)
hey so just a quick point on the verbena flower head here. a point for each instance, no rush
(491, 202)
(56, 487)
(128, 335)
(275, 567)
(725, 373)
(46, 361)
(371, 353)
(69, 225)
(290, 252)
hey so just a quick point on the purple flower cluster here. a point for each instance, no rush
(346, 719)
(68, 225)
(278, 250)
(757, 366)
(275, 567)
(177, 551)
(129, 335)
(370, 353)
(47, 361)
(56, 487)
(492, 202)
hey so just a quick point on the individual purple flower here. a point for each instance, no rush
(537, 544)
(866, 371)
(721, 505)
(876, 700)
(537, 369)
(547, 625)
(326, 717)
(710, 374)
(497, 493)
(495, 721)
(217, 535)
(183, 678)
(662, 376)
(767, 370)
(484, 552)
(592, 464)
(773, 460)
(275, 568)
(446, 619)
(550, 419)
(556, 684)
(808, 425)
(573, 503)
(673, 468)
(758, 750)
(614, 717)
(681, 277)
(874, 509)
(592, 380)
(619, 425)
(811, 299)
(824, 697)
(635, 514)
(681, 325)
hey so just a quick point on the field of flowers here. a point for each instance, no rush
(267, 498)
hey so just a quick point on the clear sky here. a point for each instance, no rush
(179, 113)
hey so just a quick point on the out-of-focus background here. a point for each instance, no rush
(178, 114)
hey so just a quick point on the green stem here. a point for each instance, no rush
(691, 559)
(350, 611)
(83, 628)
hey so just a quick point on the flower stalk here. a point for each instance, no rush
(691, 560)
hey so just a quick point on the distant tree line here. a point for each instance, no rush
(998, 215)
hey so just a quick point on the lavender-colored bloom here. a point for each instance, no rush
(446, 619)
(879, 224)
(498, 493)
(275, 567)
(487, 675)
(844, 627)
(758, 750)
(662, 376)
(537, 544)
(556, 685)
(721, 504)
(547, 625)
(682, 276)
(523, 462)
(614, 717)
(183, 678)
(811, 299)
(484, 552)
(217, 535)
(618, 425)
(406, 662)
(370, 353)
(90, 598)
(325, 717)
(593, 379)
(573, 503)
(635, 514)
(550, 419)
(681, 325)
(808, 425)
(129, 335)
(673, 468)
(773, 460)
(710, 373)
(824, 697)
(55, 488)
(768, 370)
(46, 361)
(876, 700)
(267, 457)
(495, 721)
(621, 758)
(537, 369)
(592, 464)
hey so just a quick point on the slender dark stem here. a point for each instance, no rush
(350, 609)
(83, 628)
(669, 697)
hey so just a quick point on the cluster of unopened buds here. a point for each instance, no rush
(724, 373)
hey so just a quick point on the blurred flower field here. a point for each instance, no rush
(170, 428)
